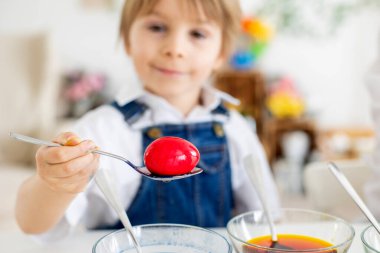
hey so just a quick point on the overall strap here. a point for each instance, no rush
(221, 109)
(132, 111)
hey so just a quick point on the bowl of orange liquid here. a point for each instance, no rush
(164, 238)
(298, 230)
(371, 240)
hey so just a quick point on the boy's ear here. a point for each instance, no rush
(127, 48)
(219, 61)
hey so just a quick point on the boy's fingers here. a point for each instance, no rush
(67, 139)
(83, 174)
(71, 169)
(72, 141)
(56, 155)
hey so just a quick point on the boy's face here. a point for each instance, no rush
(174, 51)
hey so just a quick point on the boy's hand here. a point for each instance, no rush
(67, 169)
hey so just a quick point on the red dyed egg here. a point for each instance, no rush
(170, 156)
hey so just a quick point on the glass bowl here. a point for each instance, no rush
(371, 240)
(168, 238)
(290, 221)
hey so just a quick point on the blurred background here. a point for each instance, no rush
(301, 70)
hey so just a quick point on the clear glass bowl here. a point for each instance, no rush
(371, 240)
(168, 238)
(290, 221)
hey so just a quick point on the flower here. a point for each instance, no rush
(83, 92)
(82, 86)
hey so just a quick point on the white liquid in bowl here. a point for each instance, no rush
(165, 249)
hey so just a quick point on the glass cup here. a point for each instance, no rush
(371, 240)
(168, 238)
(290, 221)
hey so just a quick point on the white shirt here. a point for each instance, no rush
(107, 128)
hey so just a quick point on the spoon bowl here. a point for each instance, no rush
(144, 171)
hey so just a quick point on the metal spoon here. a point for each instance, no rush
(354, 195)
(253, 168)
(103, 181)
(140, 169)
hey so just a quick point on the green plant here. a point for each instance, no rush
(311, 17)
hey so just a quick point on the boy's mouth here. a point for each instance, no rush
(168, 71)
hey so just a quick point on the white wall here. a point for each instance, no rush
(85, 39)
(330, 72)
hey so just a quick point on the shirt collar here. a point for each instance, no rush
(127, 94)
(211, 98)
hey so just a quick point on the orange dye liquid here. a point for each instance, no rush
(295, 242)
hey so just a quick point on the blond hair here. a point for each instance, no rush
(225, 13)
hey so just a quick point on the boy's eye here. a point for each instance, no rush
(157, 28)
(198, 34)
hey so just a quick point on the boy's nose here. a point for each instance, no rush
(175, 46)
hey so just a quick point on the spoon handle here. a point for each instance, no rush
(32, 140)
(100, 152)
(103, 181)
(354, 195)
(252, 166)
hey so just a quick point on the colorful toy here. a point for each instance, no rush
(257, 29)
(257, 35)
(284, 101)
(242, 60)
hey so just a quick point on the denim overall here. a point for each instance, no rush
(203, 200)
